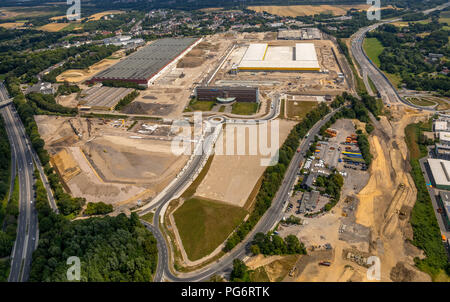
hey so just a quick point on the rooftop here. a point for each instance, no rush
(440, 170)
(263, 56)
(143, 64)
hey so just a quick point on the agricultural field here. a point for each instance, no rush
(210, 221)
(10, 25)
(53, 27)
(307, 10)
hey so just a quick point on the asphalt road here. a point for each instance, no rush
(387, 91)
(266, 223)
(23, 156)
(27, 229)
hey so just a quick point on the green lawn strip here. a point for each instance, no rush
(196, 105)
(203, 225)
(427, 235)
(421, 102)
(244, 108)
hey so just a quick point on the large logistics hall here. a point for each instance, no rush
(263, 57)
(144, 66)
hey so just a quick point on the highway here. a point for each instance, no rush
(266, 223)
(24, 158)
(387, 91)
(27, 228)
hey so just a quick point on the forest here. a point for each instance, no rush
(406, 51)
(111, 249)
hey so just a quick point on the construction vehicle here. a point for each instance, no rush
(292, 271)
(444, 238)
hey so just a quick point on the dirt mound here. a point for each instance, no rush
(196, 53)
(66, 165)
(148, 108)
(400, 273)
(190, 62)
(204, 45)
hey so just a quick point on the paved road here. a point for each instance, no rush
(23, 155)
(266, 223)
(27, 229)
(387, 91)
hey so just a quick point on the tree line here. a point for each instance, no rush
(126, 100)
(269, 244)
(27, 109)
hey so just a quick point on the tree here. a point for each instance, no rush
(240, 272)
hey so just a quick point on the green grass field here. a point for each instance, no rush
(244, 108)
(195, 105)
(299, 109)
(373, 49)
(203, 225)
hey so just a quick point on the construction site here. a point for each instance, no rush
(121, 162)
(371, 218)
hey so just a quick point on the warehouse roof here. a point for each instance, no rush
(148, 61)
(263, 57)
(440, 125)
(440, 170)
(255, 52)
(444, 136)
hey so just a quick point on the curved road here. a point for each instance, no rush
(387, 91)
(266, 223)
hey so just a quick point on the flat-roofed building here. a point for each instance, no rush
(440, 170)
(146, 65)
(442, 151)
(440, 125)
(444, 138)
(309, 201)
(263, 57)
(227, 93)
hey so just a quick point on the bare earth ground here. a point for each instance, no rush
(307, 10)
(10, 25)
(81, 75)
(68, 100)
(106, 163)
(231, 178)
(53, 27)
(383, 207)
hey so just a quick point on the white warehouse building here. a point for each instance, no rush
(263, 57)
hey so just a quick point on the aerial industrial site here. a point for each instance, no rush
(242, 144)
